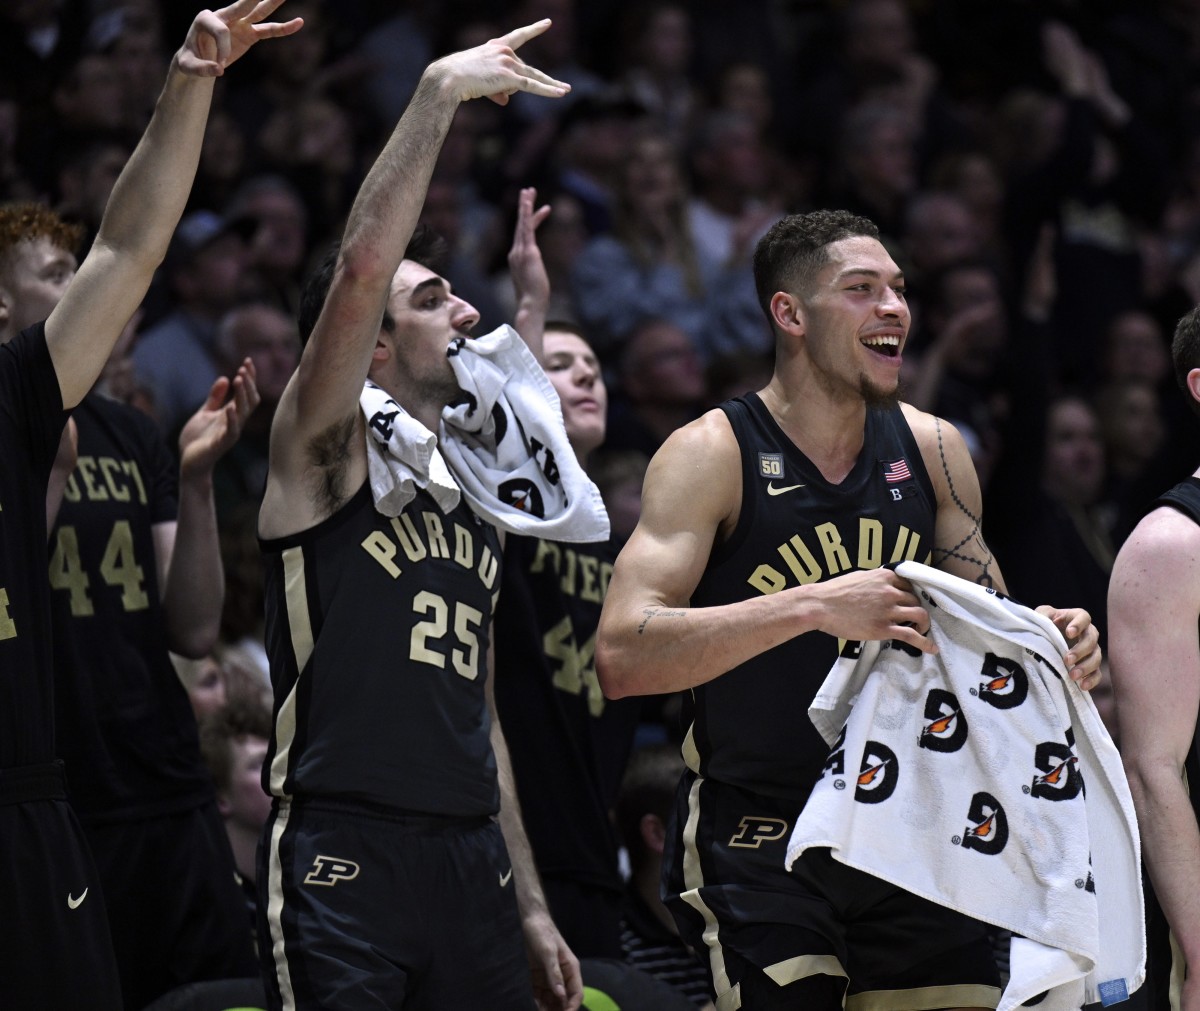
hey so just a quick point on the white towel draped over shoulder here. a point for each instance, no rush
(983, 779)
(501, 444)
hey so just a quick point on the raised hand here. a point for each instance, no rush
(218, 38)
(524, 257)
(494, 70)
(212, 430)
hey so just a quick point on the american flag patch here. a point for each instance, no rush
(897, 471)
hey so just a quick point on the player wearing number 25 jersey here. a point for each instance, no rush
(397, 611)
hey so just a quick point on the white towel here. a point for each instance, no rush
(502, 443)
(983, 779)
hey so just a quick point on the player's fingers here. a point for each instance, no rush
(278, 29)
(519, 36)
(910, 635)
(532, 73)
(540, 215)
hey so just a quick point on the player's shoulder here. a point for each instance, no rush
(706, 442)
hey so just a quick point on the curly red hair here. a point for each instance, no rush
(27, 221)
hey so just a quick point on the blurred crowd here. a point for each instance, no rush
(1034, 168)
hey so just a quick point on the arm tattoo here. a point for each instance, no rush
(657, 612)
(974, 539)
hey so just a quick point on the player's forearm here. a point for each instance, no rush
(1170, 847)
(195, 590)
(152, 190)
(385, 212)
(530, 898)
(653, 648)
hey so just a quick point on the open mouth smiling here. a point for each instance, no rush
(887, 345)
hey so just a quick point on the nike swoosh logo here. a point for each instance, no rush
(506, 878)
(75, 903)
(772, 490)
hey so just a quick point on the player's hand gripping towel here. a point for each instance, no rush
(502, 443)
(983, 779)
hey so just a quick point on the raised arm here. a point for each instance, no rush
(650, 640)
(188, 551)
(528, 270)
(323, 395)
(959, 547)
(1154, 654)
(149, 196)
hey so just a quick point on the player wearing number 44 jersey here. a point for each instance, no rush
(55, 946)
(765, 533)
(385, 878)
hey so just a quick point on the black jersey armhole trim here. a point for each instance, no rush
(736, 409)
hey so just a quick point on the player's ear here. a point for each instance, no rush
(1193, 384)
(787, 312)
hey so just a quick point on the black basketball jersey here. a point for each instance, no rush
(568, 744)
(31, 424)
(125, 727)
(377, 634)
(750, 726)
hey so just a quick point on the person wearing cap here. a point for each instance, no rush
(205, 271)
(58, 326)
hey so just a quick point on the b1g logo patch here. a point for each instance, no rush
(330, 870)
(770, 464)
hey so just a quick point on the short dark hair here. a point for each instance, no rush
(1185, 351)
(648, 787)
(426, 247)
(794, 249)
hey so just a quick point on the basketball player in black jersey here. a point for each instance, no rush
(568, 744)
(765, 530)
(1154, 653)
(384, 878)
(55, 949)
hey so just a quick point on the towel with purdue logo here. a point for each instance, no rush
(501, 444)
(983, 779)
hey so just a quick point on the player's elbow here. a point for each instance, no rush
(613, 669)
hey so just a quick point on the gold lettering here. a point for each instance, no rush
(767, 580)
(131, 468)
(464, 547)
(568, 577)
(836, 558)
(800, 560)
(606, 571)
(8, 627)
(71, 492)
(438, 548)
(406, 534)
(907, 543)
(870, 543)
(588, 570)
(87, 471)
(119, 492)
(546, 549)
(381, 547)
(489, 567)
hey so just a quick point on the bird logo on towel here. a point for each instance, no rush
(1005, 684)
(946, 729)
(988, 828)
(878, 774)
